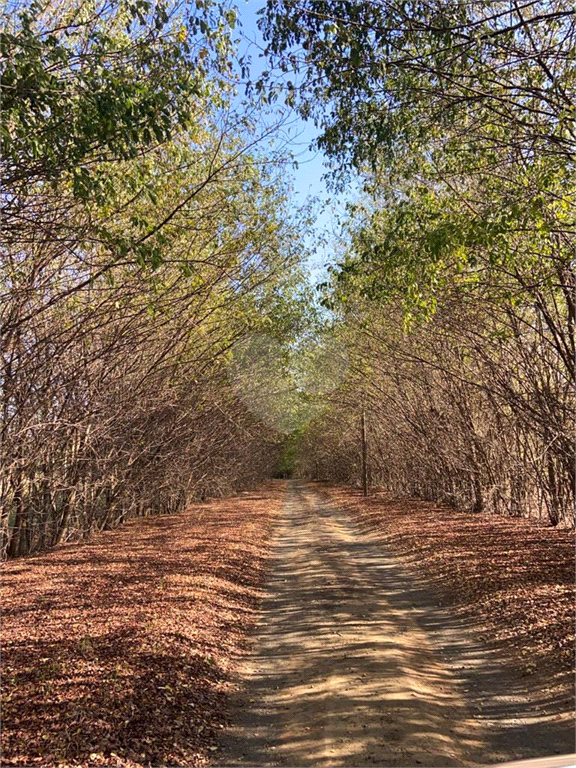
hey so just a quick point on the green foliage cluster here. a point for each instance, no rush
(458, 115)
(90, 82)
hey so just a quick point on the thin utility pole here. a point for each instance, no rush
(364, 453)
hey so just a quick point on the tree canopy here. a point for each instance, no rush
(455, 273)
(160, 338)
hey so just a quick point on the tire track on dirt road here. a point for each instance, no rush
(343, 671)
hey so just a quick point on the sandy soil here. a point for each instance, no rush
(355, 662)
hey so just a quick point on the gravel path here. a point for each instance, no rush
(355, 663)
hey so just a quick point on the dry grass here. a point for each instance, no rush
(118, 651)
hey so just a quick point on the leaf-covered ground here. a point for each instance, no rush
(118, 651)
(514, 577)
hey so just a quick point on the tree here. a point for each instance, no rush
(458, 118)
(147, 231)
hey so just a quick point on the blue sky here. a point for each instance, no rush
(307, 178)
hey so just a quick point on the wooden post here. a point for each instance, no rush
(364, 453)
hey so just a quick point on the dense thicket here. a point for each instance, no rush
(144, 231)
(455, 287)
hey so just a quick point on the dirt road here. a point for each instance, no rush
(355, 663)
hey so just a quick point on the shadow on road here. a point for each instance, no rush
(355, 663)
